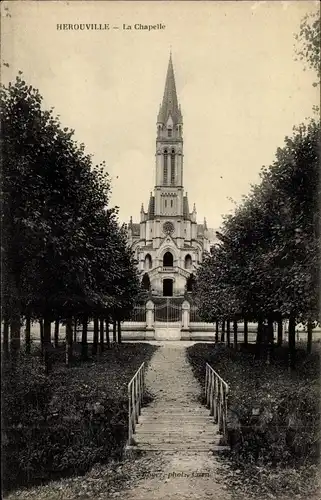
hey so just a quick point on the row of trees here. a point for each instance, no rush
(64, 256)
(266, 266)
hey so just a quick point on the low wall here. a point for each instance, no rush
(136, 330)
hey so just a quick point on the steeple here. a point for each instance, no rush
(169, 104)
(168, 199)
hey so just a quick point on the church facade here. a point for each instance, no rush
(168, 242)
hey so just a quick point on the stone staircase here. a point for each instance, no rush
(175, 421)
(177, 427)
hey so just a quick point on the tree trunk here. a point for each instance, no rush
(235, 333)
(309, 340)
(6, 337)
(84, 338)
(270, 340)
(101, 333)
(259, 337)
(15, 329)
(228, 332)
(280, 332)
(114, 331)
(96, 334)
(216, 331)
(69, 342)
(41, 335)
(292, 342)
(56, 334)
(246, 339)
(223, 332)
(107, 333)
(119, 331)
(28, 335)
(75, 331)
(47, 344)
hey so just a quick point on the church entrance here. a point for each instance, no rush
(168, 288)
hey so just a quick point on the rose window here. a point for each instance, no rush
(168, 227)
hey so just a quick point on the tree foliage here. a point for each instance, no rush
(63, 252)
(309, 42)
(267, 261)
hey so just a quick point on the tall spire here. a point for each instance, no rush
(170, 103)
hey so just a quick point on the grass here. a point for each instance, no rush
(62, 424)
(278, 450)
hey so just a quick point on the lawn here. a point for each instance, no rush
(60, 425)
(278, 449)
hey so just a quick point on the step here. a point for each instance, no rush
(164, 405)
(152, 438)
(174, 426)
(167, 427)
(175, 408)
(182, 419)
(169, 402)
(175, 417)
(173, 448)
(176, 411)
(142, 433)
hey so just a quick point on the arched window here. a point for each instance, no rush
(168, 259)
(165, 166)
(173, 167)
(188, 262)
(148, 262)
(169, 132)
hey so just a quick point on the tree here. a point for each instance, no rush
(64, 255)
(309, 42)
(266, 265)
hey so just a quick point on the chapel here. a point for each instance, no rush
(168, 242)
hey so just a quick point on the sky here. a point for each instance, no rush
(240, 88)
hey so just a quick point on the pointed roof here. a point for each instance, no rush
(170, 105)
(186, 208)
(151, 207)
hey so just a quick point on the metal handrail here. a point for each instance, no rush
(216, 394)
(135, 399)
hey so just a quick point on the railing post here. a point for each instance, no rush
(137, 399)
(215, 401)
(206, 378)
(211, 393)
(218, 405)
(186, 311)
(129, 418)
(150, 319)
(226, 401)
(139, 389)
